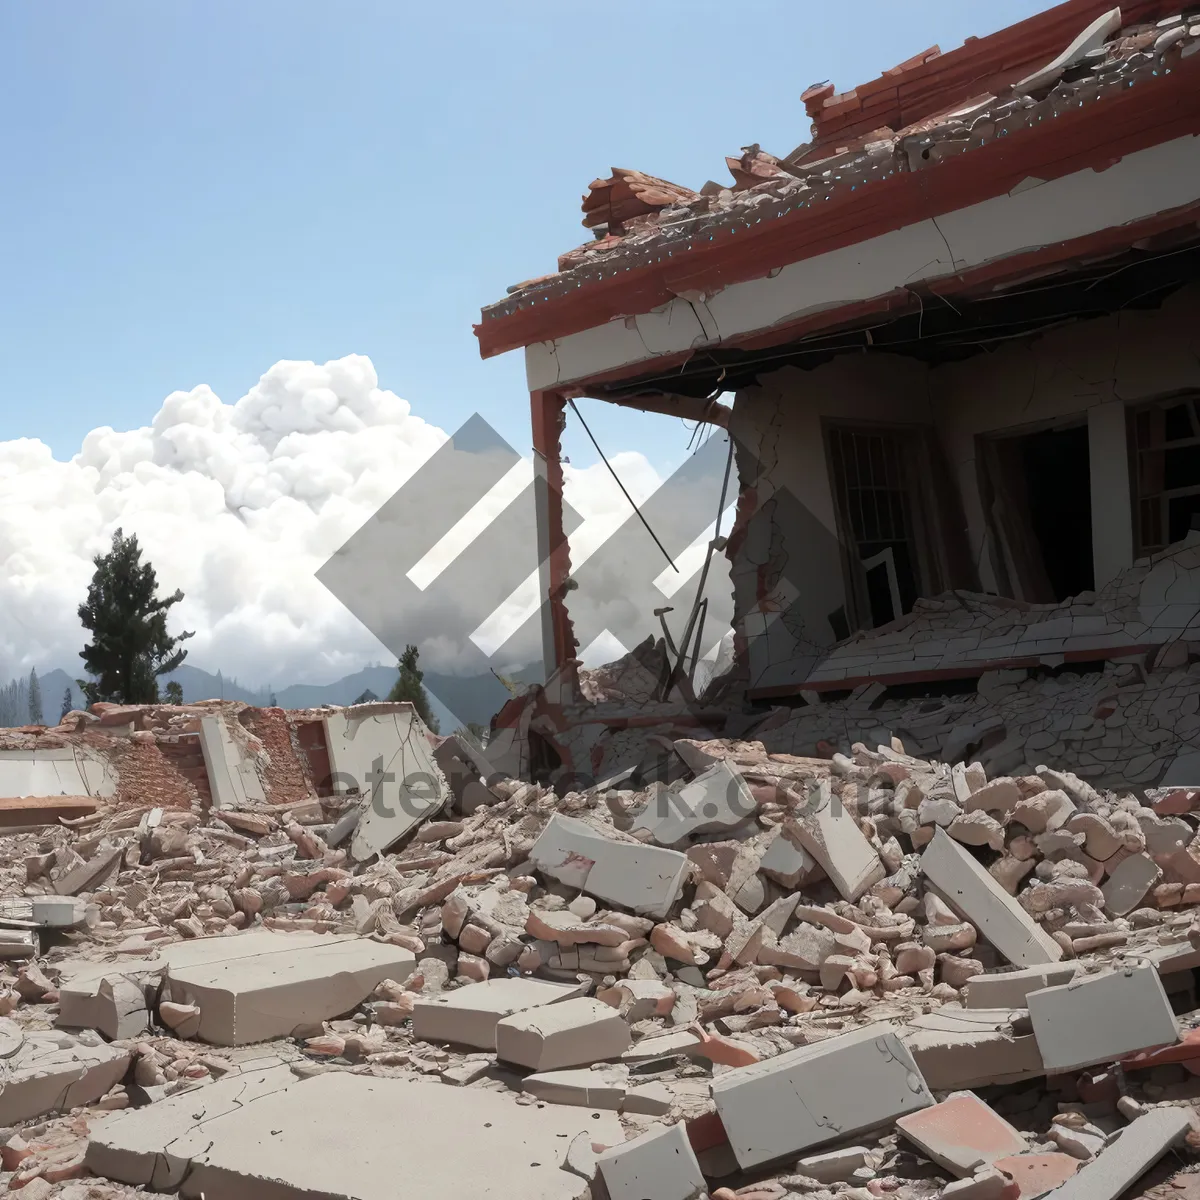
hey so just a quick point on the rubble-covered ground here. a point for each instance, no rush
(863, 976)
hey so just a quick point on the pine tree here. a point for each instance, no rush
(130, 646)
(409, 687)
(174, 692)
(67, 705)
(35, 700)
(272, 702)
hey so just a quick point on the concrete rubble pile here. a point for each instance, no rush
(860, 976)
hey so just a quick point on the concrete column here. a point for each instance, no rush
(554, 552)
(1112, 504)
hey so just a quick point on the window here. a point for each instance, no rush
(1166, 471)
(879, 514)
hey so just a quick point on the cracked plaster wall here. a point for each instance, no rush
(786, 566)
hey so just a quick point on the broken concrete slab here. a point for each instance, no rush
(1140, 1145)
(52, 1072)
(467, 1016)
(646, 879)
(1037, 1174)
(232, 776)
(571, 1034)
(382, 751)
(260, 985)
(957, 1048)
(89, 875)
(961, 1134)
(134, 1146)
(660, 1164)
(718, 799)
(1099, 1018)
(351, 1137)
(971, 891)
(1009, 989)
(467, 771)
(817, 1094)
(831, 835)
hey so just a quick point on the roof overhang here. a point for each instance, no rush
(1087, 182)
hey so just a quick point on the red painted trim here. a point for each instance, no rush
(1094, 136)
(940, 675)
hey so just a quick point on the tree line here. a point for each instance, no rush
(130, 648)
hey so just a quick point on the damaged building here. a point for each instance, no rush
(909, 907)
(953, 339)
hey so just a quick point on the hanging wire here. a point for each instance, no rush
(626, 494)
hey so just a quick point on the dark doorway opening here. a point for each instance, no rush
(1058, 483)
(1037, 489)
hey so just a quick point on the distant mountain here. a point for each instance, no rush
(198, 684)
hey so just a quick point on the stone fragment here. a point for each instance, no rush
(978, 898)
(660, 1164)
(1099, 1018)
(1009, 989)
(646, 879)
(573, 1033)
(834, 1166)
(716, 800)
(829, 832)
(103, 998)
(816, 1094)
(468, 1015)
(1130, 881)
(605, 1088)
(1138, 1147)
(961, 1134)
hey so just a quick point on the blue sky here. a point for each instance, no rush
(196, 190)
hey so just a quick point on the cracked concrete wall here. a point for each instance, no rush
(787, 562)
(1089, 369)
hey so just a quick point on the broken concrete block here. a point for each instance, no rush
(961, 1134)
(971, 891)
(660, 1164)
(260, 985)
(104, 999)
(646, 879)
(816, 1094)
(52, 1072)
(988, 1184)
(718, 799)
(570, 1034)
(834, 1166)
(89, 875)
(1009, 989)
(351, 1137)
(787, 862)
(832, 836)
(382, 751)
(1131, 879)
(957, 1048)
(1099, 1018)
(468, 1015)
(1138, 1147)
(604, 1088)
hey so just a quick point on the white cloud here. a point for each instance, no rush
(238, 505)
